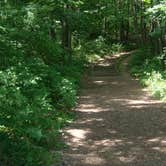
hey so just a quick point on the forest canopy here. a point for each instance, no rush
(44, 48)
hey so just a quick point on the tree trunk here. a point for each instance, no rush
(67, 36)
(143, 25)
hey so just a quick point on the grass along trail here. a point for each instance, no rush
(118, 122)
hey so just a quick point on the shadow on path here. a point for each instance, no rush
(118, 122)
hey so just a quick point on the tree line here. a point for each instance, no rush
(44, 47)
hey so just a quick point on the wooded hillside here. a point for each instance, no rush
(45, 46)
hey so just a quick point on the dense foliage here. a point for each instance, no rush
(149, 63)
(36, 87)
(44, 45)
(150, 71)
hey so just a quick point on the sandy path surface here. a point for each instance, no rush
(118, 123)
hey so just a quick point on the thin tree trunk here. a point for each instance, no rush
(67, 36)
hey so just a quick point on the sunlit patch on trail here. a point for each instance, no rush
(160, 149)
(143, 102)
(90, 121)
(94, 160)
(99, 82)
(89, 108)
(127, 159)
(77, 134)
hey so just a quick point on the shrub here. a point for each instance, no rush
(26, 114)
(34, 97)
(151, 71)
(116, 48)
(97, 46)
(157, 84)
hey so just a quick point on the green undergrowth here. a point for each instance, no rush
(37, 93)
(150, 70)
(35, 103)
(96, 49)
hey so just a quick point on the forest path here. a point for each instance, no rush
(118, 123)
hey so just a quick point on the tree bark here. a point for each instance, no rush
(67, 35)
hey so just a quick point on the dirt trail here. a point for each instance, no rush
(118, 122)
